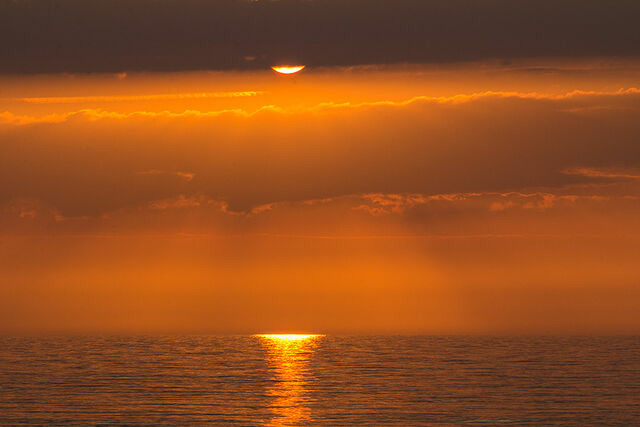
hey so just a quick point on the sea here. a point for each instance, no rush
(292, 380)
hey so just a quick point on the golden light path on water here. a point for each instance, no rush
(288, 357)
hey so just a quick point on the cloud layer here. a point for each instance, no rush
(307, 208)
(170, 35)
(92, 162)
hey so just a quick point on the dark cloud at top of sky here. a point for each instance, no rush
(168, 35)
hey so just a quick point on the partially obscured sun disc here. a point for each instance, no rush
(287, 69)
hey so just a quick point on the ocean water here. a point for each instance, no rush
(321, 380)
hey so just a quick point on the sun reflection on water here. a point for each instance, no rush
(288, 355)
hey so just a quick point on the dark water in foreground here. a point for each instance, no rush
(324, 380)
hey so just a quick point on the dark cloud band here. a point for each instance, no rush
(169, 35)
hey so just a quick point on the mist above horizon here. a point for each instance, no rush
(459, 198)
(439, 166)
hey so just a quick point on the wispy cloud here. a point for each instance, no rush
(8, 117)
(129, 98)
(187, 176)
(605, 173)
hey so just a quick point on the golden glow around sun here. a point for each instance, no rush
(287, 337)
(287, 69)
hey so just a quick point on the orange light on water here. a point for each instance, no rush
(287, 69)
(288, 356)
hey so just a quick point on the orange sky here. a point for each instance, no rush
(473, 198)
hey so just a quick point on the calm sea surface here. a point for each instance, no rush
(325, 380)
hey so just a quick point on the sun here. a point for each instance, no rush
(288, 337)
(287, 69)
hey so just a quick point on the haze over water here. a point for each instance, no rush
(319, 380)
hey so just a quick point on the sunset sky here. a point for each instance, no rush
(439, 166)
